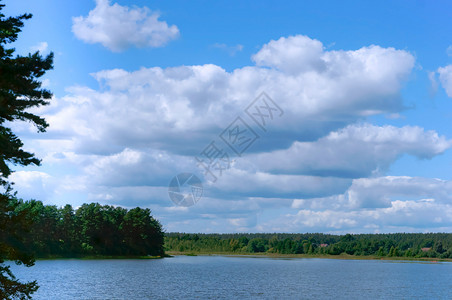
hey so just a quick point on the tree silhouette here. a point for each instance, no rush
(20, 90)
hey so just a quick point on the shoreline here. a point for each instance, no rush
(100, 257)
(324, 256)
(170, 254)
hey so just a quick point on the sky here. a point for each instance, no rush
(295, 116)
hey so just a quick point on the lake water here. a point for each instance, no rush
(221, 277)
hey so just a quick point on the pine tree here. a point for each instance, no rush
(20, 90)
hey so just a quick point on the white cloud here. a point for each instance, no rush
(300, 54)
(293, 55)
(400, 216)
(28, 178)
(239, 182)
(119, 27)
(449, 50)
(181, 109)
(231, 50)
(311, 170)
(433, 82)
(214, 215)
(382, 204)
(130, 196)
(41, 47)
(32, 184)
(445, 77)
(136, 168)
(45, 83)
(380, 192)
(357, 150)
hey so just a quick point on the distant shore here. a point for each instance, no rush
(323, 256)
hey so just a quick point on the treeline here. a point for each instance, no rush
(437, 245)
(90, 230)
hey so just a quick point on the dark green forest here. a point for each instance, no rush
(413, 245)
(90, 230)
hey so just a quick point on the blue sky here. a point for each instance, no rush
(142, 87)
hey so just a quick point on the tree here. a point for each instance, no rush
(20, 90)
(257, 245)
(142, 233)
(438, 247)
(67, 230)
(15, 223)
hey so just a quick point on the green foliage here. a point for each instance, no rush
(15, 223)
(10, 288)
(142, 234)
(392, 251)
(92, 229)
(391, 245)
(257, 245)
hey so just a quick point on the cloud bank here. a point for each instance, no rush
(320, 167)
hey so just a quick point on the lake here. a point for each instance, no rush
(223, 277)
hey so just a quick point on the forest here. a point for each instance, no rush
(102, 230)
(90, 230)
(412, 245)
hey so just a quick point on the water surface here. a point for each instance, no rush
(221, 277)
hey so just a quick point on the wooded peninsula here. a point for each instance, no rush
(91, 230)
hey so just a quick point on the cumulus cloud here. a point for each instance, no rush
(358, 150)
(294, 54)
(179, 109)
(406, 212)
(445, 77)
(380, 192)
(151, 169)
(381, 204)
(120, 27)
(401, 216)
(238, 182)
(137, 168)
(301, 54)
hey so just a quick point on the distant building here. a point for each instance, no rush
(323, 245)
(426, 249)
